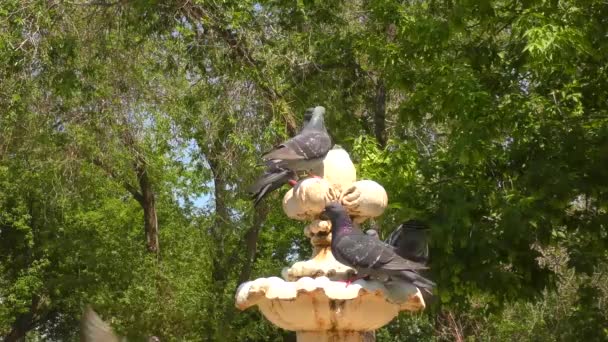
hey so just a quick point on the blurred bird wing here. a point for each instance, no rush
(94, 329)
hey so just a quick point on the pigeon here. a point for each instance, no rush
(301, 153)
(372, 233)
(94, 329)
(366, 254)
(307, 149)
(411, 241)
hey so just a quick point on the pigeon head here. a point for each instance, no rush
(340, 221)
(372, 233)
(313, 117)
(333, 211)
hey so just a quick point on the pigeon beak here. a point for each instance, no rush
(323, 215)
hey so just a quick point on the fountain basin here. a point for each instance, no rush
(319, 304)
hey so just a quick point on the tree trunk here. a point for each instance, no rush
(219, 185)
(145, 196)
(251, 242)
(221, 219)
(148, 203)
(23, 323)
(380, 112)
(214, 155)
(18, 330)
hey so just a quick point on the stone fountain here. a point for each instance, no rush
(311, 298)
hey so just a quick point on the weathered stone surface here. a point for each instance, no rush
(321, 304)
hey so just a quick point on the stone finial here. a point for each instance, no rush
(308, 198)
(364, 199)
(337, 169)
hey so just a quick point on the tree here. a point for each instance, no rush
(486, 119)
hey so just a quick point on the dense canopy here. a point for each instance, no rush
(130, 131)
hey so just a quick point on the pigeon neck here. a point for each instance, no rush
(315, 123)
(343, 224)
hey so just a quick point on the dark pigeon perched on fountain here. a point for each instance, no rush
(367, 254)
(303, 152)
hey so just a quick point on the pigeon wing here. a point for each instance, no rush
(366, 252)
(94, 329)
(308, 145)
(270, 181)
(395, 236)
(414, 242)
(410, 243)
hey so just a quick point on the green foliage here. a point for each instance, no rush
(486, 119)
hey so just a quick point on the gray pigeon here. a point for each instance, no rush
(306, 150)
(410, 240)
(367, 254)
(300, 153)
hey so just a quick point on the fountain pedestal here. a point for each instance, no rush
(312, 298)
(334, 336)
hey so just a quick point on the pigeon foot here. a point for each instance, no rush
(351, 280)
(292, 182)
(312, 175)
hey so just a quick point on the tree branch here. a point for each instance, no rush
(110, 172)
(240, 53)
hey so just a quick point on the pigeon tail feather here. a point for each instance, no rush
(418, 280)
(269, 182)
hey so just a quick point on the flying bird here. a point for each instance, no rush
(303, 152)
(94, 329)
(367, 254)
